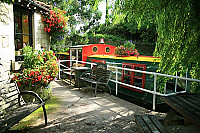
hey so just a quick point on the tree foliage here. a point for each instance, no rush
(84, 12)
(7, 1)
(177, 27)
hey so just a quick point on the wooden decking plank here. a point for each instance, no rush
(142, 125)
(180, 109)
(158, 124)
(150, 124)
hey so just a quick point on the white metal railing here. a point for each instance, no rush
(155, 74)
(69, 68)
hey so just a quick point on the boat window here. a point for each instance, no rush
(107, 49)
(95, 49)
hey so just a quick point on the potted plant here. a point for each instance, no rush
(126, 50)
(39, 69)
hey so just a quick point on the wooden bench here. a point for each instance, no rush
(149, 124)
(13, 107)
(186, 104)
(99, 75)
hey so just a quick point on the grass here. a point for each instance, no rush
(51, 106)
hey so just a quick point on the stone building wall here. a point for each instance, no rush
(41, 37)
(7, 48)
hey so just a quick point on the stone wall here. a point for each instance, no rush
(40, 38)
(7, 49)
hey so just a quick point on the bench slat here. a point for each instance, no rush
(185, 112)
(190, 104)
(150, 124)
(17, 115)
(158, 124)
(10, 111)
(9, 97)
(187, 108)
(193, 100)
(142, 124)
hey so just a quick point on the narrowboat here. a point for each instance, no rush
(105, 53)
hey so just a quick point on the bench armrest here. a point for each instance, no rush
(40, 99)
(103, 77)
(86, 74)
(30, 93)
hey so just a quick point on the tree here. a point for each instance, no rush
(84, 12)
(177, 27)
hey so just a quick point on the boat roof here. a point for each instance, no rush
(65, 53)
(77, 46)
(136, 58)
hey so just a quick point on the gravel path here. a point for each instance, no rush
(81, 112)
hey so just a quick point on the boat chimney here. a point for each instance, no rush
(101, 41)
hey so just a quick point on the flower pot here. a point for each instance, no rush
(122, 55)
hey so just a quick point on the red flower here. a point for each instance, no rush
(64, 11)
(32, 72)
(48, 76)
(48, 21)
(51, 11)
(39, 77)
(48, 30)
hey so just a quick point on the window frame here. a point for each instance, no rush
(23, 11)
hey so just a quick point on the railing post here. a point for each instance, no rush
(176, 82)
(154, 93)
(76, 63)
(116, 80)
(186, 82)
(165, 88)
(70, 58)
(91, 65)
(59, 69)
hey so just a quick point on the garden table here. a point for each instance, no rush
(188, 105)
(78, 71)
